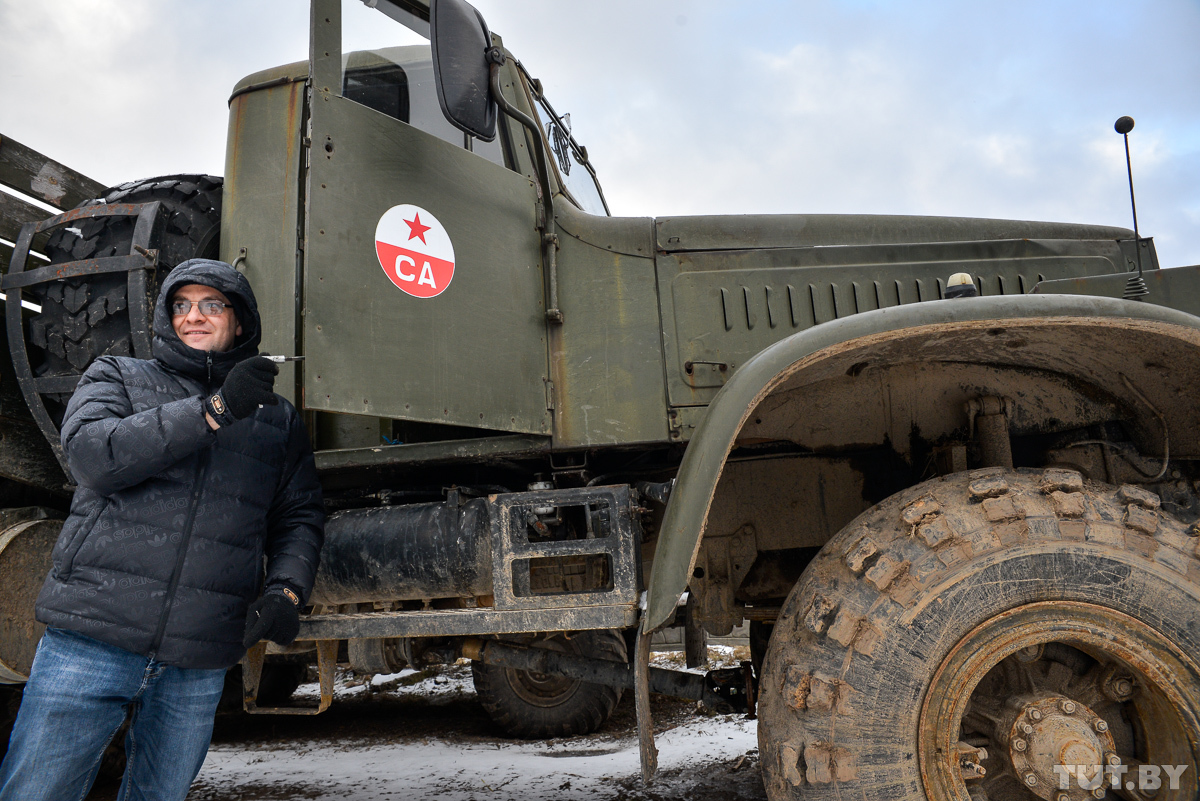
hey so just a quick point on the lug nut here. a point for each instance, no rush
(1067, 706)
(1100, 726)
(1123, 687)
(1025, 728)
(1062, 797)
(1018, 744)
(1031, 779)
(1035, 715)
(1099, 792)
(1113, 759)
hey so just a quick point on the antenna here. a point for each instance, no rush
(1135, 287)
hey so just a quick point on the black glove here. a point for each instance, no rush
(275, 617)
(249, 385)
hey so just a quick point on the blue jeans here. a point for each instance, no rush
(78, 692)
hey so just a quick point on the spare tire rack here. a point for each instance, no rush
(136, 263)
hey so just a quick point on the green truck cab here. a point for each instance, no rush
(959, 512)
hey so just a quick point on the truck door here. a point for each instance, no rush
(422, 285)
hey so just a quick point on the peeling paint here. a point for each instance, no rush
(48, 183)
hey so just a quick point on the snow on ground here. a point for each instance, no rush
(423, 735)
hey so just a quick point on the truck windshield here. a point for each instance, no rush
(575, 172)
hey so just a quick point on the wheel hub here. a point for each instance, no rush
(1052, 731)
(1044, 698)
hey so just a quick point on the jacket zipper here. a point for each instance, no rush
(201, 475)
(173, 586)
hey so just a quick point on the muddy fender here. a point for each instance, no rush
(937, 328)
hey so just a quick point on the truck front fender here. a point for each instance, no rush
(1114, 339)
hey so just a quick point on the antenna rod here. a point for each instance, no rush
(1135, 285)
(1123, 126)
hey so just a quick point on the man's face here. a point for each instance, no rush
(197, 330)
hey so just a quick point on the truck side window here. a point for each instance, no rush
(384, 89)
(398, 82)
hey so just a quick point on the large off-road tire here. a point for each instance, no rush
(535, 706)
(1037, 616)
(84, 318)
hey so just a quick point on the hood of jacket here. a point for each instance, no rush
(169, 349)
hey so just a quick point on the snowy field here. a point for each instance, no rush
(423, 735)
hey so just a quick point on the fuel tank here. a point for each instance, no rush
(402, 553)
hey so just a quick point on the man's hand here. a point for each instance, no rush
(274, 617)
(250, 384)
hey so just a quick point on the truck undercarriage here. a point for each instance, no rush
(961, 525)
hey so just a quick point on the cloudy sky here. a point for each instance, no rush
(983, 109)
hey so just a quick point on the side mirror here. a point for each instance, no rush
(460, 67)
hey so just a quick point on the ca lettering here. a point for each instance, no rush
(405, 260)
(427, 276)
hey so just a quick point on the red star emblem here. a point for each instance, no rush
(415, 229)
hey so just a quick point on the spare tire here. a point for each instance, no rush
(87, 317)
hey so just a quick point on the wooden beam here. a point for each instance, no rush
(15, 212)
(36, 259)
(31, 173)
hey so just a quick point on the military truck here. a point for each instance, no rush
(959, 513)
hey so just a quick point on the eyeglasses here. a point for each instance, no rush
(209, 308)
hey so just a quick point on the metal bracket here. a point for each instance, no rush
(614, 533)
(988, 417)
(141, 258)
(550, 241)
(252, 667)
(721, 565)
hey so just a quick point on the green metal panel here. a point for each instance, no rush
(606, 357)
(1177, 287)
(720, 307)
(260, 209)
(475, 354)
(687, 512)
(732, 232)
(417, 453)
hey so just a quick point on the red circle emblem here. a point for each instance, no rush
(415, 251)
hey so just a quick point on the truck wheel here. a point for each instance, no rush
(25, 548)
(967, 637)
(536, 706)
(84, 318)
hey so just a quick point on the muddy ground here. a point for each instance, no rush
(424, 735)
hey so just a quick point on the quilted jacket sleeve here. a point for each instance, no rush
(296, 519)
(109, 447)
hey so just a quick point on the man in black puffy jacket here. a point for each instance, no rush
(192, 473)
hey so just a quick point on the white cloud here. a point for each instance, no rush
(1000, 109)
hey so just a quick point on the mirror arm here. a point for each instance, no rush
(496, 58)
(549, 238)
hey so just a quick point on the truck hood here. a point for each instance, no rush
(746, 231)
